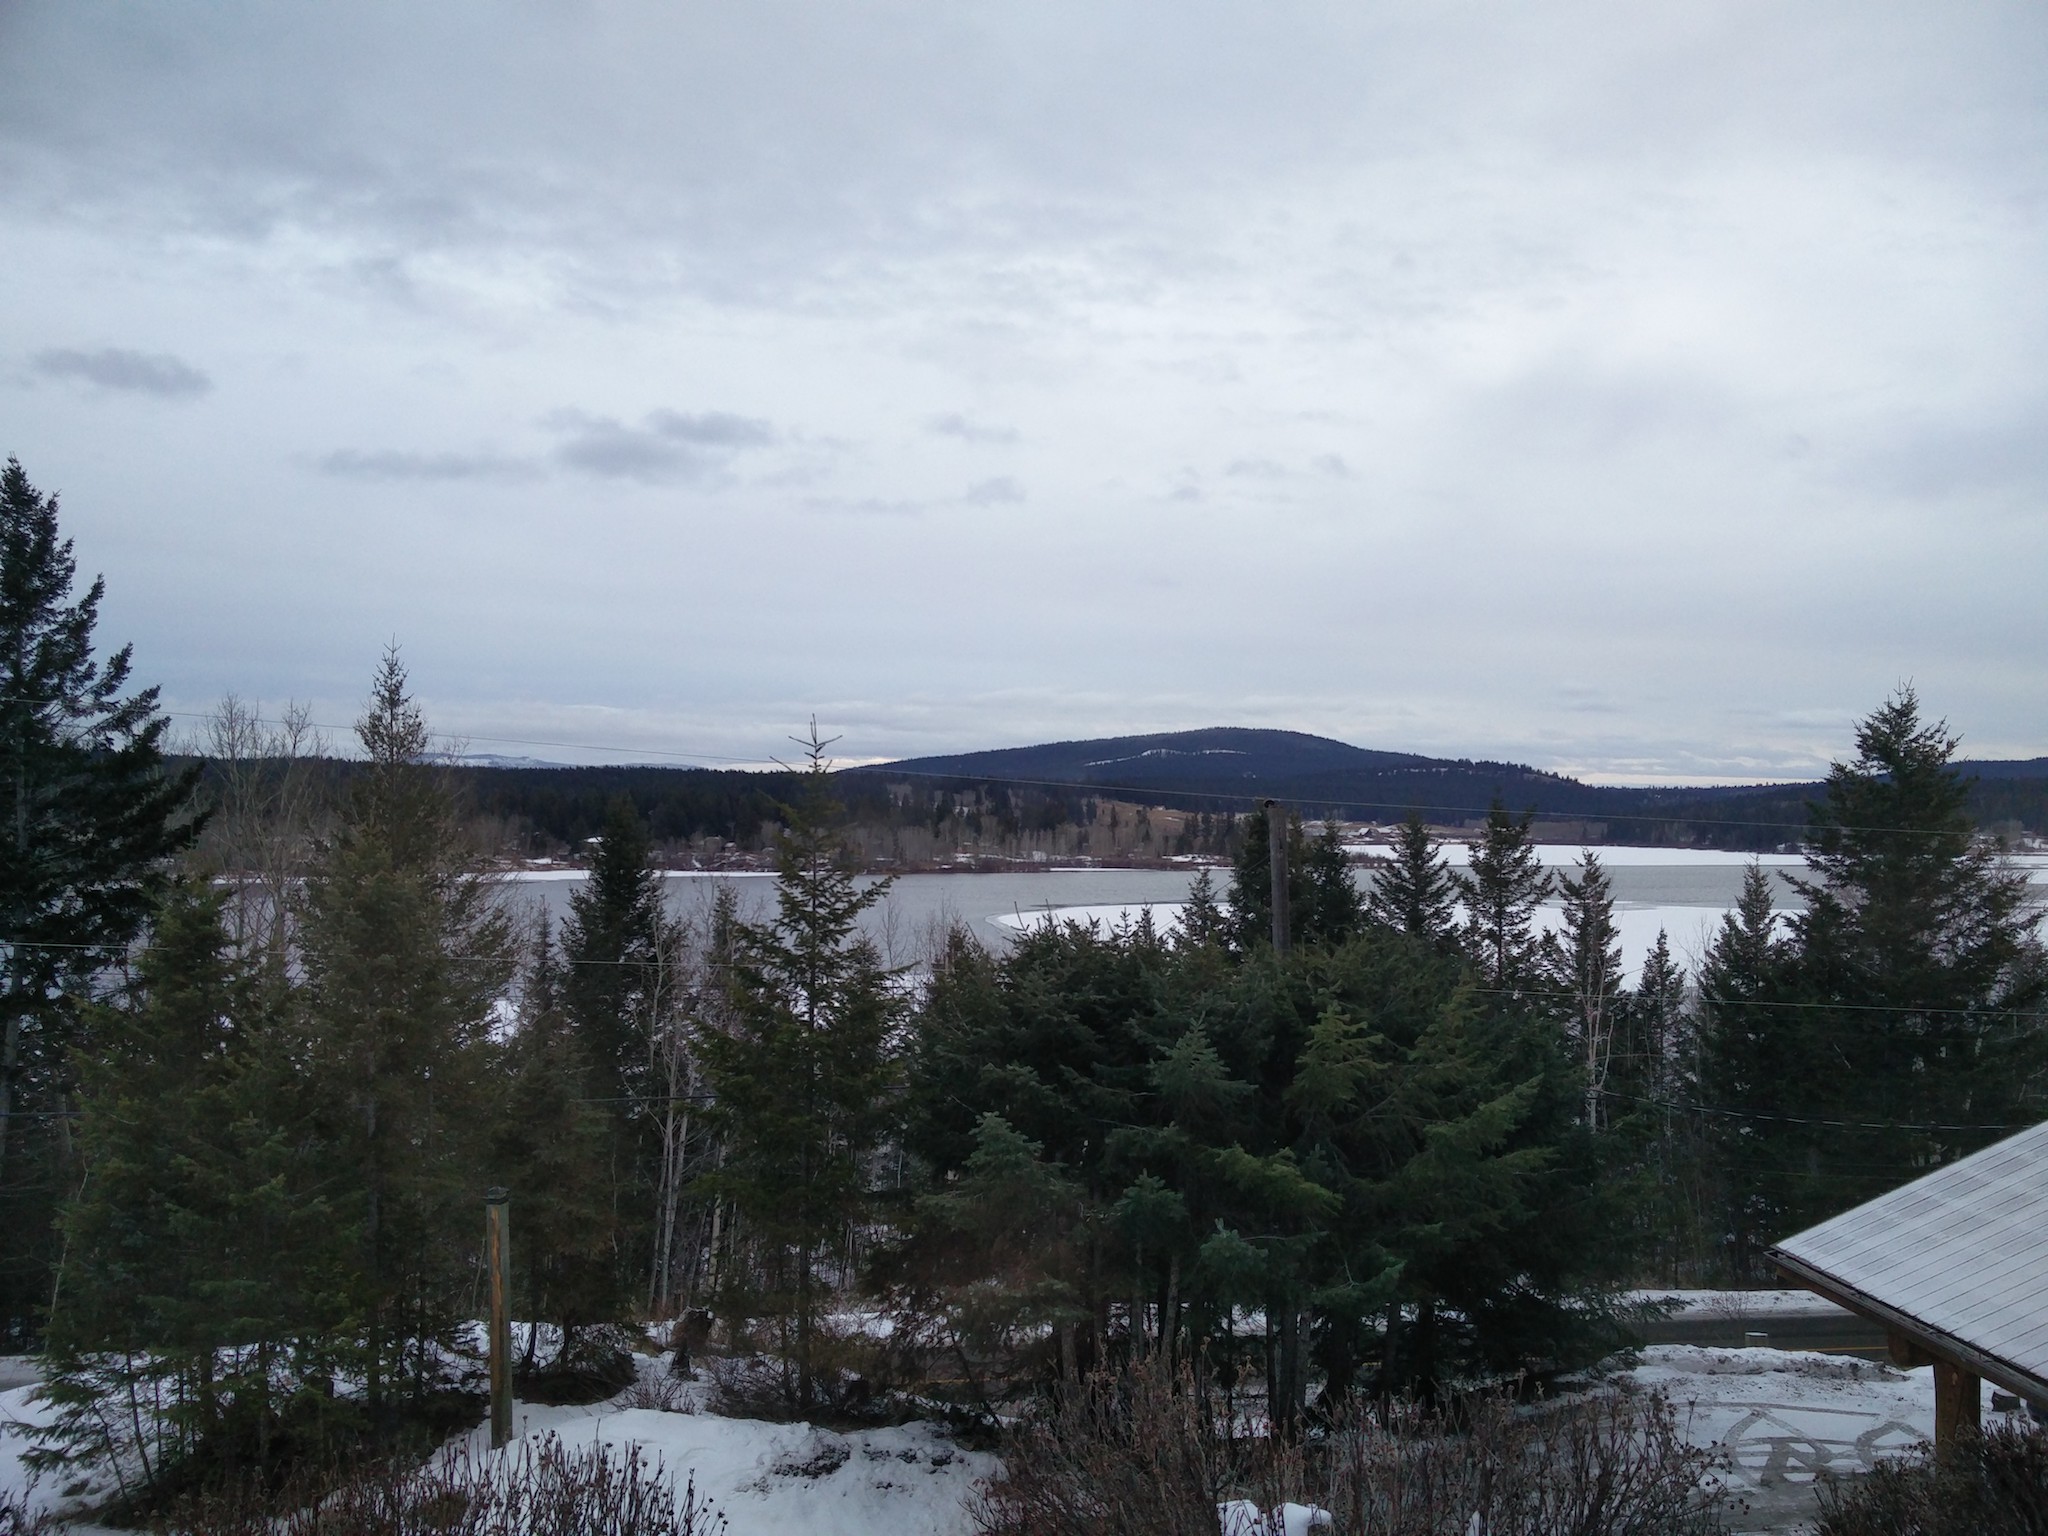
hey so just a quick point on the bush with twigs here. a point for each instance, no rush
(543, 1489)
(1143, 1453)
(1993, 1482)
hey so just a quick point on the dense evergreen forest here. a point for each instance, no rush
(270, 1035)
(901, 816)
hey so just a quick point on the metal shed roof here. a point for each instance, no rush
(1959, 1256)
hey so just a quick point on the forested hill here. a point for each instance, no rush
(1232, 768)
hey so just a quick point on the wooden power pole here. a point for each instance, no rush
(497, 1255)
(1276, 847)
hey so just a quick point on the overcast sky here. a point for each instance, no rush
(1638, 390)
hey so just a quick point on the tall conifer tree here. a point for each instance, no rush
(88, 815)
(1414, 892)
(618, 996)
(1751, 1056)
(1589, 973)
(1332, 909)
(405, 955)
(1918, 964)
(1501, 890)
(803, 1074)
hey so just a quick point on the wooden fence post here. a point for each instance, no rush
(497, 1255)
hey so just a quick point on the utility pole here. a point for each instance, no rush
(1276, 847)
(497, 1255)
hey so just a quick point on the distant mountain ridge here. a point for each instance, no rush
(1234, 766)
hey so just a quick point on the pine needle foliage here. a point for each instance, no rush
(803, 1077)
(405, 953)
(88, 816)
(1414, 892)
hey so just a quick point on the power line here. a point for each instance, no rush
(1839, 1125)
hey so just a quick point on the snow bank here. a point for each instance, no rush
(22, 1413)
(1241, 1517)
(907, 1480)
(1737, 1305)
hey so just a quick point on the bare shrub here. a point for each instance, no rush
(1606, 1465)
(16, 1519)
(662, 1393)
(543, 1490)
(1996, 1482)
(589, 1365)
(1136, 1453)
(764, 1387)
(1144, 1453)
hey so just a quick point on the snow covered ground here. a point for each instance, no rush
(1785, 1416)
(907, 1480)
(1613, 855)
(766, 1479)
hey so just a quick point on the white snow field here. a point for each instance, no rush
(766, 1479)
(1688, 929)
(22, 1411)
(1783, 1417)
(1613, 855)
(769, 1478)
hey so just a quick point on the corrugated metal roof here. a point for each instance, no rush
(1963, 1251)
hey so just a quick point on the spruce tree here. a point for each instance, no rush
(405, 955)
(198, 1236)
(1588, 967)
(1752, 1055)
(1414, 892)
(1657, 1061)
(803, 1076)
(88, 816)
(619, 995)
(1501, 892)
(1203, 920)
(992, 1254)
(1918, 964)
(1655, 1077)
(610, 944)
(551, 1147)
(1331, 908)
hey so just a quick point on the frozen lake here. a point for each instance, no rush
(1682, 891)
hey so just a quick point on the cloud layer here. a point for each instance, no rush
(1640, 390)
(144, 373)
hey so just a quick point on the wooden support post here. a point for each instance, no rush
(1958, 1403)
(1276, 846)
(497, 1256)
(1905, 1354)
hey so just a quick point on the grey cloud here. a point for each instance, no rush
(666, 445)
(1255, 469)
(142, 373)
(866, 506)
(1935, 461)
(398, 464)
(953, 424)
(988, 493)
